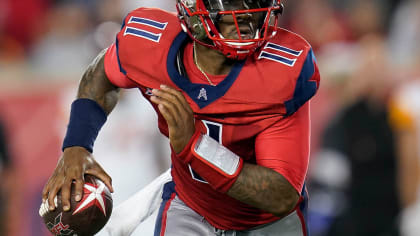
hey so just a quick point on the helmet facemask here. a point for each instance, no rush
(236, 27)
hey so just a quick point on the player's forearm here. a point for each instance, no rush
(265, 189)
(96, 99)
(96, 86)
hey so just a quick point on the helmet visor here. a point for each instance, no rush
(231, 5)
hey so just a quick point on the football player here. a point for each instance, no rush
(231, 92)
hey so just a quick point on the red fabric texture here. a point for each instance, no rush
(284, 147)
(113, 71)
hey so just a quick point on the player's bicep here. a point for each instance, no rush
(95, 85)
(113, 69)
(284, 147)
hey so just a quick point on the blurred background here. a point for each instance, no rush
(364, 172)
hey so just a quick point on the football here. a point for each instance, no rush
(86, 217)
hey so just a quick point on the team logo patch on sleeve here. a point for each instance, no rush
(136, 29)
(277, 54)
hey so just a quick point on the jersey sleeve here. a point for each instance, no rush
(307, 84)
(114, 71)
(284, 147)
(142, 48)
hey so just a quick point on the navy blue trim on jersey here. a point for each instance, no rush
(117, 52)
(303, 207)
(86, 119)
(148, 22)
(168, 190)
(142, 33)
(283, 49)
(118, 59)
(284, 60)
(195, 91)
(305, 88)
(123, 24)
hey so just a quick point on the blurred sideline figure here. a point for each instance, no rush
(404, 37)
(405, 109)
(405, 116)
(5, 183)
(358, 156)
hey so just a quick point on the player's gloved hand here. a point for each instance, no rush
(178, 115)
(72, 166)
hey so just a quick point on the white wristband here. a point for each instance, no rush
(218, 155)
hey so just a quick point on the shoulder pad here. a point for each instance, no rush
(144, 41)
(289, 59)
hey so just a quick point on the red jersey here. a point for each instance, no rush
(259, 110)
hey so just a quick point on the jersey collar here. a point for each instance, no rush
(201, 94)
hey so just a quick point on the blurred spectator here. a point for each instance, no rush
(405, 117)
(22, 19)
(64, 48)
(404, 36)
(366, 17)
(386, 6)
(357, 166)
(5, 183)
(316, 21)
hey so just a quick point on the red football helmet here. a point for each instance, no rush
(234, 27)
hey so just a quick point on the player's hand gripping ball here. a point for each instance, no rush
(86, 217)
